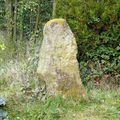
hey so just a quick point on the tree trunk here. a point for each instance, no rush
(9, 19)
(15, 22)
(22, 25)
(21, 29)
(37, 17)
(54, 8)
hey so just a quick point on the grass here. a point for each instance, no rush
(102, 105)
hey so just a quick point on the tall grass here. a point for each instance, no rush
(18, 66)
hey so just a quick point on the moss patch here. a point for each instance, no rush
(59, 21)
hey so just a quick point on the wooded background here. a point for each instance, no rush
(95, 23)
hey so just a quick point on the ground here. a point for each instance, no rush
(103, 104)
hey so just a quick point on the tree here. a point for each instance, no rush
(9, 19)
(15, 22)
(54, 8)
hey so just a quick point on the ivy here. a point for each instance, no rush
(96, 25)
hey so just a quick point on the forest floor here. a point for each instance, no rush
(103, 104)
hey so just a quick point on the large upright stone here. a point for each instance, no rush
(58, 65)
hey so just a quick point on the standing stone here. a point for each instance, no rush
(58, 65)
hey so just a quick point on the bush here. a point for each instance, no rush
(96, 27)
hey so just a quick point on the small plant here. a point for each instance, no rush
(2, 47)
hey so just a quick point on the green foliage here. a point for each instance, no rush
(53, 109)
(2, 14)
(102, 104)
(2, 47)
(28, 13)
(96, 25)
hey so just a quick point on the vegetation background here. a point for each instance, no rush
(96, 26)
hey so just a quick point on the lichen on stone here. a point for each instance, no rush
(59, 21)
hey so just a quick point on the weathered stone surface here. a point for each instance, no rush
(58, 65)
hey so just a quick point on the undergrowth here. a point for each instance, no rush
(102, 105)
(25, 101)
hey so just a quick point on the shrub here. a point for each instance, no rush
(96, 25)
